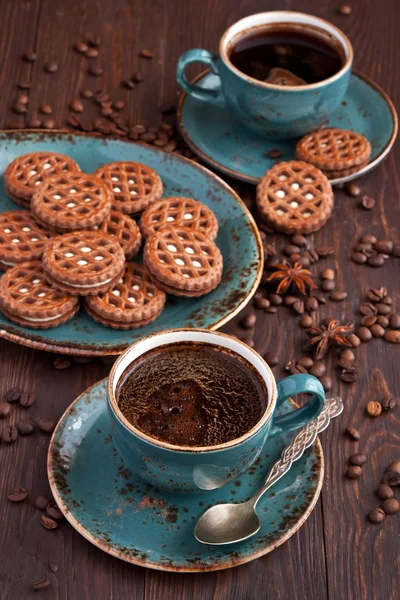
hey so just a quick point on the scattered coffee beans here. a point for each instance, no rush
(367, 202)
(262, 303)
(318, 369)
(25, 427)
(338, 296)
(392, 336)
(5, 410)
(384, 491)
(144, 53)
(18, 495)
(41, 502)
(357, 460)
(12, 395)
(364, 334)
(353, 190)
(391, 506)
(76, 105)
(248, 321)
(328, 274)
(388, 403)
(47, 425)
(374, 408)
(53, 567)
(376, 515)
(354, 472)
(377, 330)
(91, 53)
(30, 56)
(271, 358)
(54, 512)
(353, 433)
(9, 434)
(306, 322)
(354, 340)
(81, 47)
(48, 124)
(48, 523)
(326, 383)
(27, 399)
(61, 362)
(51, 67)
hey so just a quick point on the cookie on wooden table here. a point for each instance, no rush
(135, 300)
(28, 299)
(24, 174)
(21, 238)
(295, 197)
(83, 263)
(133, 186)
(179, 212)
(125, 230)
(70, 202)
(183, 262)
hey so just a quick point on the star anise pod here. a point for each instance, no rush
(293, 275)
(327, 336)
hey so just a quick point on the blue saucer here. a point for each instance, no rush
(223, 143)
(136, 522)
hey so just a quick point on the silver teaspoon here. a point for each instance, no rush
(230, 523)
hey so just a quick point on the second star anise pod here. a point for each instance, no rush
(326, 336)
(292, 275)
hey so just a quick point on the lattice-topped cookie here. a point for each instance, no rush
(70, 202)
(83, 263)
(132, 302)
(295, 197)
(183, 262)
(125, 230)
(179, 212)
(21, 238)
(24, 174)
(133, 186)
(334, 149)
(29, 300)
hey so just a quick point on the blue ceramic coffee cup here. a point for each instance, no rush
(268, 109)
(190, 468)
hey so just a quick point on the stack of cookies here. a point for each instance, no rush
(79, 234)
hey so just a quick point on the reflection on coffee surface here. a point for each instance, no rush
(286, 56)
(192, 394)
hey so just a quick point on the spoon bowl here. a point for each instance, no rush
(224, 523)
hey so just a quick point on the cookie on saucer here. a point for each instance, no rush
(295, 197)
(24, 174)
(28, 299)
(83, 263)
(179, 212)
(125, 230)
(133, 186)
(21, 238)
(132, 302)
(183, 262)
(71, 201)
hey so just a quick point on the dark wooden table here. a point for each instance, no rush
(337, 554)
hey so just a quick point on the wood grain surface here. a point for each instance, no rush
(337, 554)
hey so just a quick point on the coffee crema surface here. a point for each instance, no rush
(192, 394)
(287, 56)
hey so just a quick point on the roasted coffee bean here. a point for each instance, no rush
(353, 433)
(51, 67)
(305, 362)
(25, 427)
(106, 111)
(358, 459)
(374, 408)
(387, 300)
(48, 523)
(262, 303)
(345, 9)
(96, 70)
(354, 340)
(148, 137)
(54, 512)
(30, 56)
(359, 258)
(369, 321)
(323, 251)
(248, 321)
(368, 239)
(171, 146)
(391, 506)
(364, 334)
(384, 246)
(338, 296)
(299, 240)
(91, 53)
(137, 77)
(41, 584)
(41, 502)
(383, 321)
(34, 123)
(61, 362)
(347, 355)
(306, 322)
(376, 515)
(328, 274)
(394, 467)
(374, 295)
(289, 300)
(144, 53)
(312, 255)
(45, 109)
(368, 309)
(80, 47)
(27, 399)
(5, 409)
(388, 403)
(53, 567)
(93, 40)
(20, 109)
(119, 104)
(9, 434)
(353, 190)
(274, 153)
(326, 383)
(349, 375)
(291, 249)
(18, 495)
(160, 142)
(365, 249)
(271, 358)
(87, 126)
(320, 297)
(275, 299)
(102, 96)
(290, 364)
(23, 99)
(24, 85)
(74, 121)
(396, 249)
(304, 261)
(311, 304)
(298, 306)
(328, 285)
(384, 491)
(45, 424)
(128, 84)
(300, 369)
(353, 472)
(48, 123)
(247, 340)
(87, 94)
(392, 478)
(367, 202)
(376, 261)
(377, 330)
(76, 106)
(383, 309)
(392, 336)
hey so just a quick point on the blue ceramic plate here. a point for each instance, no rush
(222, 142)
(238, 240)
(132, 520)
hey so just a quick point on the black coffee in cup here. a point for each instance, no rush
(192, 394)
(287, 54)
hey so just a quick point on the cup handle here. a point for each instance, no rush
(197, 55)
(290, 386)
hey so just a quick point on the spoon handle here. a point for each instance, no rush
(304, 439)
